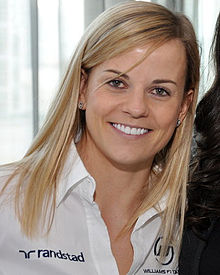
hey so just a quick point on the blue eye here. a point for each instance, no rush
(116, 83)
(160, 92)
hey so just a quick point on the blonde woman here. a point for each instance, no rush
(102, 188)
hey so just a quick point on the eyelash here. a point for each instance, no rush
(115, 83)
(157, 91)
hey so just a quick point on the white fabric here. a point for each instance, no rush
(78, 242)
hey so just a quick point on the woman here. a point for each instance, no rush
(200, 251)
(102, 187)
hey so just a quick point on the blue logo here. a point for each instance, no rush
(45, 253)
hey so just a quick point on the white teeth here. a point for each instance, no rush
(142, 131)
(133, 131)
(127, 130)
(130, 131)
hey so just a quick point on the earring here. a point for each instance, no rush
(178, 123)
(80, 105)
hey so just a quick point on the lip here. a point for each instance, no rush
(130, 130)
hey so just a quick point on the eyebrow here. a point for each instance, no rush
(118, 73)
(160, 81)
(156, 81)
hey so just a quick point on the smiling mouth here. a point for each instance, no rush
(131, 130)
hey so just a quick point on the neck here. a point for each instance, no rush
(119, 192)
(118, 189)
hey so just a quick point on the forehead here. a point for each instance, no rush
(168, 60)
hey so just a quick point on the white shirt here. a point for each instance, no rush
(78, 243)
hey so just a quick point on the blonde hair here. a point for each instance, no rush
(115, 31)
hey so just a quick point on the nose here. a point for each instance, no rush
(136, 104)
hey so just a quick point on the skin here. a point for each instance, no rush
(149, 97)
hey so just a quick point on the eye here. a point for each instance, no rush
(160, 92)
(116, 83)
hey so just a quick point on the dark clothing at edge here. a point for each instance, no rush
(201, 256)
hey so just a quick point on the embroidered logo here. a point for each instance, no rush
(27, 254)
(45, 253)
(163, 266)
(169, 255)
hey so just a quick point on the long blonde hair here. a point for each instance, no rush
(115, 31)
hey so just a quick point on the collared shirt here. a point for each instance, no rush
(78, 242)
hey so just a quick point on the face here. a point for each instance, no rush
(130, 118)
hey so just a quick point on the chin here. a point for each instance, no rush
(130, 165)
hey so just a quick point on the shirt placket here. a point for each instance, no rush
(98, 236)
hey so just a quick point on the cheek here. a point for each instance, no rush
(166, 118)
(96, 110)
(100, 103)
(169, 122)
(164, 134)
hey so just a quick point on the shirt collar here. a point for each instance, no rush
(151, 213)
(73, 173)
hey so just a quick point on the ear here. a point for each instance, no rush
(187, 100)
(83, 89)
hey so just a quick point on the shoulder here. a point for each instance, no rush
(5, 172)
(7, 182)
(209, 260)
(7, 188)
(191, 250)
(197, 251)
